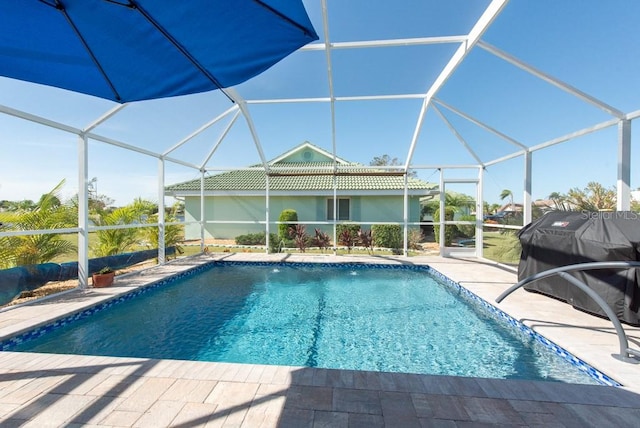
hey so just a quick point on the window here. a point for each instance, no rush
(343, 209)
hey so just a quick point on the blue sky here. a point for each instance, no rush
(589, 44)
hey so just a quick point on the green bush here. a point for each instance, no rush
(449, 229)
(276, 244)
(352, 229)
(387, 235)
(467, 230)
(251, 239)
(289, 216)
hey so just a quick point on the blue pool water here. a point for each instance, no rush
(398, 320)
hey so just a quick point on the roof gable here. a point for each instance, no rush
(293, 172)
(306, 152)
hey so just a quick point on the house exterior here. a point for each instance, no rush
(301, 179)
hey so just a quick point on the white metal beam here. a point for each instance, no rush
(415, 41)
(140, 150)
(161, 219)
(73, 130)
(338, 98)
(562, 139)
(526, 204)
(445, 166)
(220, 139)
(480, 214)
(585, 131)
(233, 94)
(441, 220)
(332, 100)
(83, 211)
(104, 117)
(486, 19)
(624, 166)
(482, 24)
(201, 129)
(552, 80)
(202, 212)
(481, 124)
(405, 216)
(39, 119)
(381, 97)
(289, 100)
(455, 132)
(267, 215)
(504, 158)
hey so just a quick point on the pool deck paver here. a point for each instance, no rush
(93, 391)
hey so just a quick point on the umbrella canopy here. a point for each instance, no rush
(130, 50)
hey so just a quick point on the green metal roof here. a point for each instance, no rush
(246, 180)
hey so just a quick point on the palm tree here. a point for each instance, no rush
(116, 241)
(560, 201)
(458, 201)
(594, 197)
(48, 213)
(173, 234)
(506, 193)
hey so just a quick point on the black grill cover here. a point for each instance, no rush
(561, 238)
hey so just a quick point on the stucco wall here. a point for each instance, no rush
(309, 208)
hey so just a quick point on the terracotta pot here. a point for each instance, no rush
(102, 279)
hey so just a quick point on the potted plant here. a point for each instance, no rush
(103, 278)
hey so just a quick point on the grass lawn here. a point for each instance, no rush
(502, 248)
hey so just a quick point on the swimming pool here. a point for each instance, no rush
(362, 317)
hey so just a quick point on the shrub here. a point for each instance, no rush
(300, 237)
(347, 239)
(387, 235)
(366, 240)
(467, 230)
(276, 243)
(449, 229)
(251, 239)
(414, 238)
(110, 242)
(321, 240)
(173, 234)
(352, 228)
(287, 216)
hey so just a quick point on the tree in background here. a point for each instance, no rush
(506, 193)
(49, 213)
(560, 202)
(491, 208)
(459, 201)
(594, 197)
(173, 233)
(110, 242)
(289, 218)
(386, 160)
(144, 207)
(25, 205)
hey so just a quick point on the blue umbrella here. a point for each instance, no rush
(130, 50)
